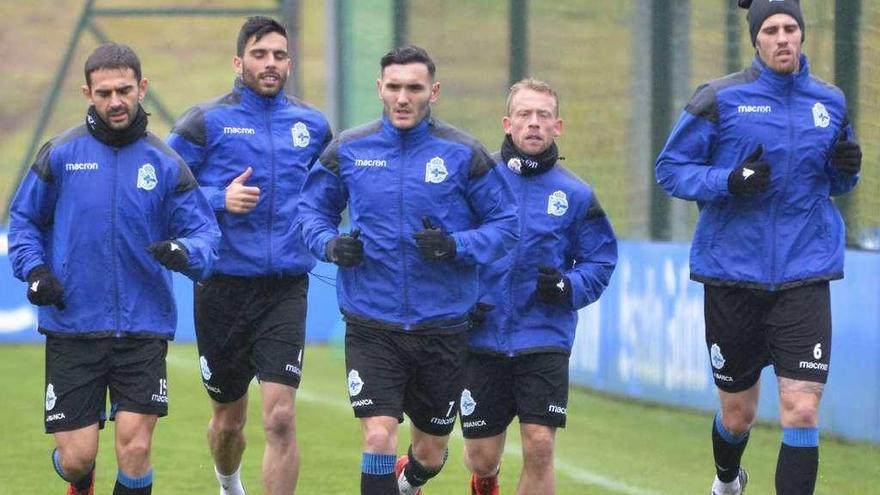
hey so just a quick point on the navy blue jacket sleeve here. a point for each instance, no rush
(595, 256)
(31, 213)
(191, 222)
(322, 200)
(491, 199)
(684, 168)
(189, 139)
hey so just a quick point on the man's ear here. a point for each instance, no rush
(142, 86)
(435, 91)
(506, 124)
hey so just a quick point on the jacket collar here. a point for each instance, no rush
(799, 79)
(419, 131)
(252, 99)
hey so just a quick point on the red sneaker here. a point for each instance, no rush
(398, 472)
(484, 486)
(71, 490)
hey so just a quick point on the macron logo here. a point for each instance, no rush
(369, 163)
(755, 109)
(73, 167)
(238, 130)
(811, 365)
(556, 409)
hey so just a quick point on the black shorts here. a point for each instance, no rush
(497, 388)
(391, 373)
(748, 329)
(80, 371)
(247, 327)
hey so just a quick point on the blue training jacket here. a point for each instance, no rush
(562, 225)
(89, 211)
(790, 235)
(279, 137)
(390, 179)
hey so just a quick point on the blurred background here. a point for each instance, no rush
(624, 70)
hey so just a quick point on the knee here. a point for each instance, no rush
(738, 420)
(538, 449)
(75, 467)
(481, 460)
(133, 451)
(799, 415)
(380, 440)
(279, 423)
(737, 425)
(226, 426)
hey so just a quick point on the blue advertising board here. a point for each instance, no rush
(643, 339)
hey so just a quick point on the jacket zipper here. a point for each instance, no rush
(402, 177)
(774, 282)
(514, 273)
(271, 199)
(113, 258)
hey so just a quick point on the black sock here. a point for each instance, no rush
(728, 450)
(377, 474)
(416, 473)
(121, 489)
(83, 483)
(126, 485)
(378, 484)
(798, 461)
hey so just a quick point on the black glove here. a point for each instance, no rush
(751, 177)
(346, 250)
(553, 286)
(433, 243)
(477, 316)
(172, 254)
(847, 155)
(44, 288)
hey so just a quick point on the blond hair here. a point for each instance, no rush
(534, 85)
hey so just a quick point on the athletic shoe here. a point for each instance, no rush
(484, 486)
(71, 490)
(402, 484)
(743, 478)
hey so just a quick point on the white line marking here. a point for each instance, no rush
(511, 449)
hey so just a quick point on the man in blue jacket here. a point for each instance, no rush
(517, 361)
(427, 206)
(104, 210)
(250, 151)
(761, 152)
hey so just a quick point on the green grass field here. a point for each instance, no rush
(610, 447)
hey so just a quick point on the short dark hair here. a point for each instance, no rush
(258, 26)
(408, 54)
(112, 56)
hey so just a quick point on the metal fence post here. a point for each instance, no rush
(847, 14)
(661, 110)
(519, 40)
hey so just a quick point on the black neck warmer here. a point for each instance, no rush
(524, 164)
(111, 137)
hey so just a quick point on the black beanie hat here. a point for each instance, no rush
(760, 10)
